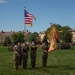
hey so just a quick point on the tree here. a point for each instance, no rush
(18, 37)
(33, 36)
(7, 41)
(67, 37)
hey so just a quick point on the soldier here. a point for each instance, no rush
(44, 48)
(25, 49)
(16, 57)
(19, 52)
(33, 54)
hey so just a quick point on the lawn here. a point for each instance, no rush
(60, 62)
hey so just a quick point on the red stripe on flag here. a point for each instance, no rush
(28, 18)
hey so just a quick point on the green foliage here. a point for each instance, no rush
(67, 37)
(7, 41)
(33, 36)
(66, 34)
(60, 62)
(18, 37)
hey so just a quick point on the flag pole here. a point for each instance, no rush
(24, 20)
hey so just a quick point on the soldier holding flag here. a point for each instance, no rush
(44, 48)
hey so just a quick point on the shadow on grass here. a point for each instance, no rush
(58, 67)
(50, 70)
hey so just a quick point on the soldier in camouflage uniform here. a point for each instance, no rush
(44, 48)
(25, 49)
(19, 52)
(16, 57)
(33, 54)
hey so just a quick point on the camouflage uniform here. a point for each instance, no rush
(25, 49)
(20, 53)
(33, 54)
(16, 57)
(44, 54)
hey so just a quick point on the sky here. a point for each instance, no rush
(46, 11)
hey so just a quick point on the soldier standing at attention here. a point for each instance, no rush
(19, 52)
(44, 48)
(25, 49)
(33, 53)
(16, 56)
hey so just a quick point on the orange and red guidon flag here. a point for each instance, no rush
(52, 37)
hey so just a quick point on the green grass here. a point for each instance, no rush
(60, 62)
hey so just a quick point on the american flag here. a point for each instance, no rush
(28, 18)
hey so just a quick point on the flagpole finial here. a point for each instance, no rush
(51, 23)
(24, 7)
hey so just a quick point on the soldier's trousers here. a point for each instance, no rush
(20, 60)
(24, 64)
(24, 61)
(44, 59)
(16, 62)
(33, 60)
